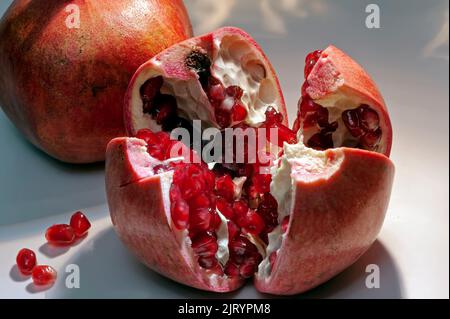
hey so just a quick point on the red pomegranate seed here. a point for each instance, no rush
(167, 109)
(43, 275)
(313, 114)
(223, 118)
(215, 221)
(310, 61)
(321, 141)
(250, 265)
(239, 112)
(272, 116)
(369, 118)
(371, 139)
(148, 136)
(26, 261)
(233, 230)
(80, 224)
(224, 207)
(351, 121)
(205, 245)
(240, 207)
(231, 269)
(251, 223)
(61, 234)
(216, 93)
(262, 182)
(234, 91)
(180, 214)
(241, 246)
(225, 187)
(149, 91)
(200, 201)
(200, 220)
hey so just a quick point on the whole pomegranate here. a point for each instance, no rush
(65, 67)
(292, 222)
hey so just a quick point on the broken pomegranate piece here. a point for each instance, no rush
(292, 216)
(338, 109)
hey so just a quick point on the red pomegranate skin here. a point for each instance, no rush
(334, 220)
(64, 88)
(139, 218)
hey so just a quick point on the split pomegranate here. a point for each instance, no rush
(26, 261)
(80, 224)
(43, 275)
(61, 234)
(291, 217)
(66, 65)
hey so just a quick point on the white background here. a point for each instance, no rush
(408, 58)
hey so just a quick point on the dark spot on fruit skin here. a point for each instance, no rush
(200, 62)
(98, 89)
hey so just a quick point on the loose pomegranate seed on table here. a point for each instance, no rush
(43, 275)
(26, 261)
(80, 224)
(61, 234)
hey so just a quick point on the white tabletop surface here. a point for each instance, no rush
(409, 59)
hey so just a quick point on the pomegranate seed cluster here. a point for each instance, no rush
(362, 123)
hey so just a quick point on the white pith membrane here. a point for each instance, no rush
(234, 62)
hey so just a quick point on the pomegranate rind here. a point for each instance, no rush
(142, 219)
(334, 219)
(170, 63)
(63, 88)
(340, 73)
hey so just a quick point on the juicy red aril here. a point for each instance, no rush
(249, 266)
(224, 208)
(262, 182)
(216, 93)
(200, 201)
(235, 91)
(272, 116)
(363, 123)
(233, 230)
(200, 220)
(80, 224)
(60, 234)
(231, 269)
(239, 112)
(26, 261)
(149, 91)
(312, 114)
(225, 187)
(223, 118)
(240, 207)
(311, 60)
(241, 246)
(43, 275)
(369, 118)
(252, 223)
(284, 133)
(205, 245)
(180, 214)
(321, 141)
(371, 139)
